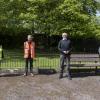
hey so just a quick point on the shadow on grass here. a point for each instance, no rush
(75, 73)
(47, 71)
(10, 75)
(6, 73)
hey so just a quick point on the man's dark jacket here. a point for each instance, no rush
(65, 45)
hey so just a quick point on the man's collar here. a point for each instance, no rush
(29, 41)
(64, 39)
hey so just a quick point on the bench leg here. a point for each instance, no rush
(96, 69)
(78, 71)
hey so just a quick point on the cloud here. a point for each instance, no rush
(98, 13)
(97, 0)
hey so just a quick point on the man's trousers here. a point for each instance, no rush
(29, 61)
(64, 61)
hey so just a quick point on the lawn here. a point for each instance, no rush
(14, 60)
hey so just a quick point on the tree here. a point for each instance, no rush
(76, 17)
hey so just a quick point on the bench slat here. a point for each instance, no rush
(85, 65)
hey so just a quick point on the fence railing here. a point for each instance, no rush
(50, 61)
(46, 61)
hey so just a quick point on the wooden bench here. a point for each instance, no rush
(85, 60)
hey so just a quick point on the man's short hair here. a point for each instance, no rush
(64, 34)
(30, 36)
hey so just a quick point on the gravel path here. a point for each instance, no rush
(49, 87)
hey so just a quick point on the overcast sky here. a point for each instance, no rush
(98, 13)
(97, 0)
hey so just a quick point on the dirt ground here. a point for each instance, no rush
(49, 87)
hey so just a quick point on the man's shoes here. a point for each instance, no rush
(69, 77)
(25, 74)
(61, 76)
(32, 74)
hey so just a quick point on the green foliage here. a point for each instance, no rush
(76, 17)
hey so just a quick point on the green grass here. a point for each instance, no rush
(15, 60)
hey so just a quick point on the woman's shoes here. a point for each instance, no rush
(31, 74)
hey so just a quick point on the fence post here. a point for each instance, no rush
(0, 55)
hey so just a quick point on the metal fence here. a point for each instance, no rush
(43, 61)
(49, 61)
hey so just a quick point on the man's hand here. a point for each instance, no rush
(66, 52)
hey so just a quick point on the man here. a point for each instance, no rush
(64, 47)
(29, 54)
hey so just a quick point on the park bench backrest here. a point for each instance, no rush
(85, 58)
